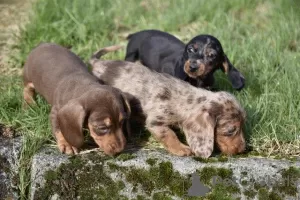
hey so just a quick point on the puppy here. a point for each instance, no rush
(204, 116)
(194, 62)
(77, 99)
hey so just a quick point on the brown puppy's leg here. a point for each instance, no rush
(62, 144)
(170, 141)
(28, 94)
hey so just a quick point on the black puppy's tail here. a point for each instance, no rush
(97, 55)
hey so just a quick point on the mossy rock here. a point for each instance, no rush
(147, 174)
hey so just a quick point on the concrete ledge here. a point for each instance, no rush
(152, 174)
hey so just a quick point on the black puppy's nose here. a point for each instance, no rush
(193, 67)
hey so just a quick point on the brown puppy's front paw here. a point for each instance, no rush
(181, 150)
(66, 148)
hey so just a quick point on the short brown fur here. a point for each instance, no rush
(77, 99)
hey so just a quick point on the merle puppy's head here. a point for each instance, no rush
(204, 54)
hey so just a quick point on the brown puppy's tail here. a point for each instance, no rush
(97, 55)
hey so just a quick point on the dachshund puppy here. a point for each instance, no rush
(77, 99)
(204, 116)
(194, 62)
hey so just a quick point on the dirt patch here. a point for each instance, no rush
(13, 14)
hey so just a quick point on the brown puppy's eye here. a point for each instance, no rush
(102, 130)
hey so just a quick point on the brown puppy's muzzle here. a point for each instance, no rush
(194, 68)
(231, 145)
(110, 143)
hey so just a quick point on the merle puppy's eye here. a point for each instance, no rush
(102, 130)
(191, 50)
(231, 131)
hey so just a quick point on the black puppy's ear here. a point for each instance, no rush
(236, 78)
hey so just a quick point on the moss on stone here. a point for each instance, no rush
(221, 181)
(257, 186)
(112, 166)
(203, 160)
(207, 174)
(151, 161)
(250, 193)
(141, 197)
(125, 156)
(244, 182)
(265, 194)
(274, 196)
(244, 173)
(76, 179)
(4, 165)
(290, 177)
(221, 158)
(161, 196)
(93, 181)
(160, 176)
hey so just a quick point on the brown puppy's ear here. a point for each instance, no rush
(71, 118)
(201, 135)
(236, 78)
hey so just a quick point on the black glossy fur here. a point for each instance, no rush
(194, 62)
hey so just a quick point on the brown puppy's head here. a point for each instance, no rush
(219, 122)
(203, 55)
(104, 112)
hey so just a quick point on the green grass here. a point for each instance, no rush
(261, 38)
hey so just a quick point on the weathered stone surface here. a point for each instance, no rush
(42, 162)
(9, 154)
(148, 174)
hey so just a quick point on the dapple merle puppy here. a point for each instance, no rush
(205, 117)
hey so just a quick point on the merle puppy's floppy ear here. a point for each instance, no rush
(126, 105)
(71, 118)
(127, 110)
(200, 134)
(236, 78)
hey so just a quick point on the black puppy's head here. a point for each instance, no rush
(204, 54)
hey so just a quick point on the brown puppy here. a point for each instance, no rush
(204, 116)
(77, 99)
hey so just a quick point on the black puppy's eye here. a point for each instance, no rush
(211, 55)
(191, 50)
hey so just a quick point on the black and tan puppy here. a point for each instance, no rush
(194, 62)
(77, 99)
